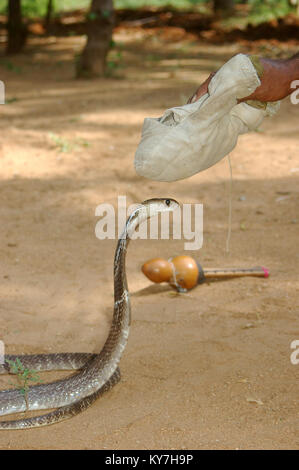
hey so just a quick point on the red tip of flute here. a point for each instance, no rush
(266, 271)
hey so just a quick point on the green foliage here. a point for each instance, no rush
(11, 100)
(11, 66)
(179, 4)
(92, 16)
(24, 376)
(30, 8)
(106, 13)
(64, 146)
(33, 8)
(114, 63)
(268, 9)
(60, 143)
(261, 10)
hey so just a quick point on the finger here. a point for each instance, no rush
(192, 99)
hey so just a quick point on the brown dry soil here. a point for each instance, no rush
(209, 369)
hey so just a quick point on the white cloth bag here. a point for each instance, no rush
(188, 139)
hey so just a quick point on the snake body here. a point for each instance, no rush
(96, 373)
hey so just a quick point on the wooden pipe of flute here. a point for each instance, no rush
(258, 271)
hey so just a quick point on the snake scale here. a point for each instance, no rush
(95, 373)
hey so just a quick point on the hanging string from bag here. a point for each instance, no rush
(229, 229)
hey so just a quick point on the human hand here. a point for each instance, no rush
(276, 80)
(202, 90)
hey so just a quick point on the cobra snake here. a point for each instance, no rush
(96, 373)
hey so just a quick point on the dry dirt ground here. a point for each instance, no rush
(207, 370)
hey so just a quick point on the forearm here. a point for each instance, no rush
(276, 79)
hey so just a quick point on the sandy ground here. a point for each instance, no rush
(209, 369)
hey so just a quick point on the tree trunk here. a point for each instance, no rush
(92, 62)
(224, 7)
(49, 14)
(16, 30)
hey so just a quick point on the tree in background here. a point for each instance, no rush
(16, 30)
(225, 7)
(49, 14)
(100, 21)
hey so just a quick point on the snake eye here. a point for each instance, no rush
(167, 202)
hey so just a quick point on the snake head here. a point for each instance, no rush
(156, 205)
(145, 210)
